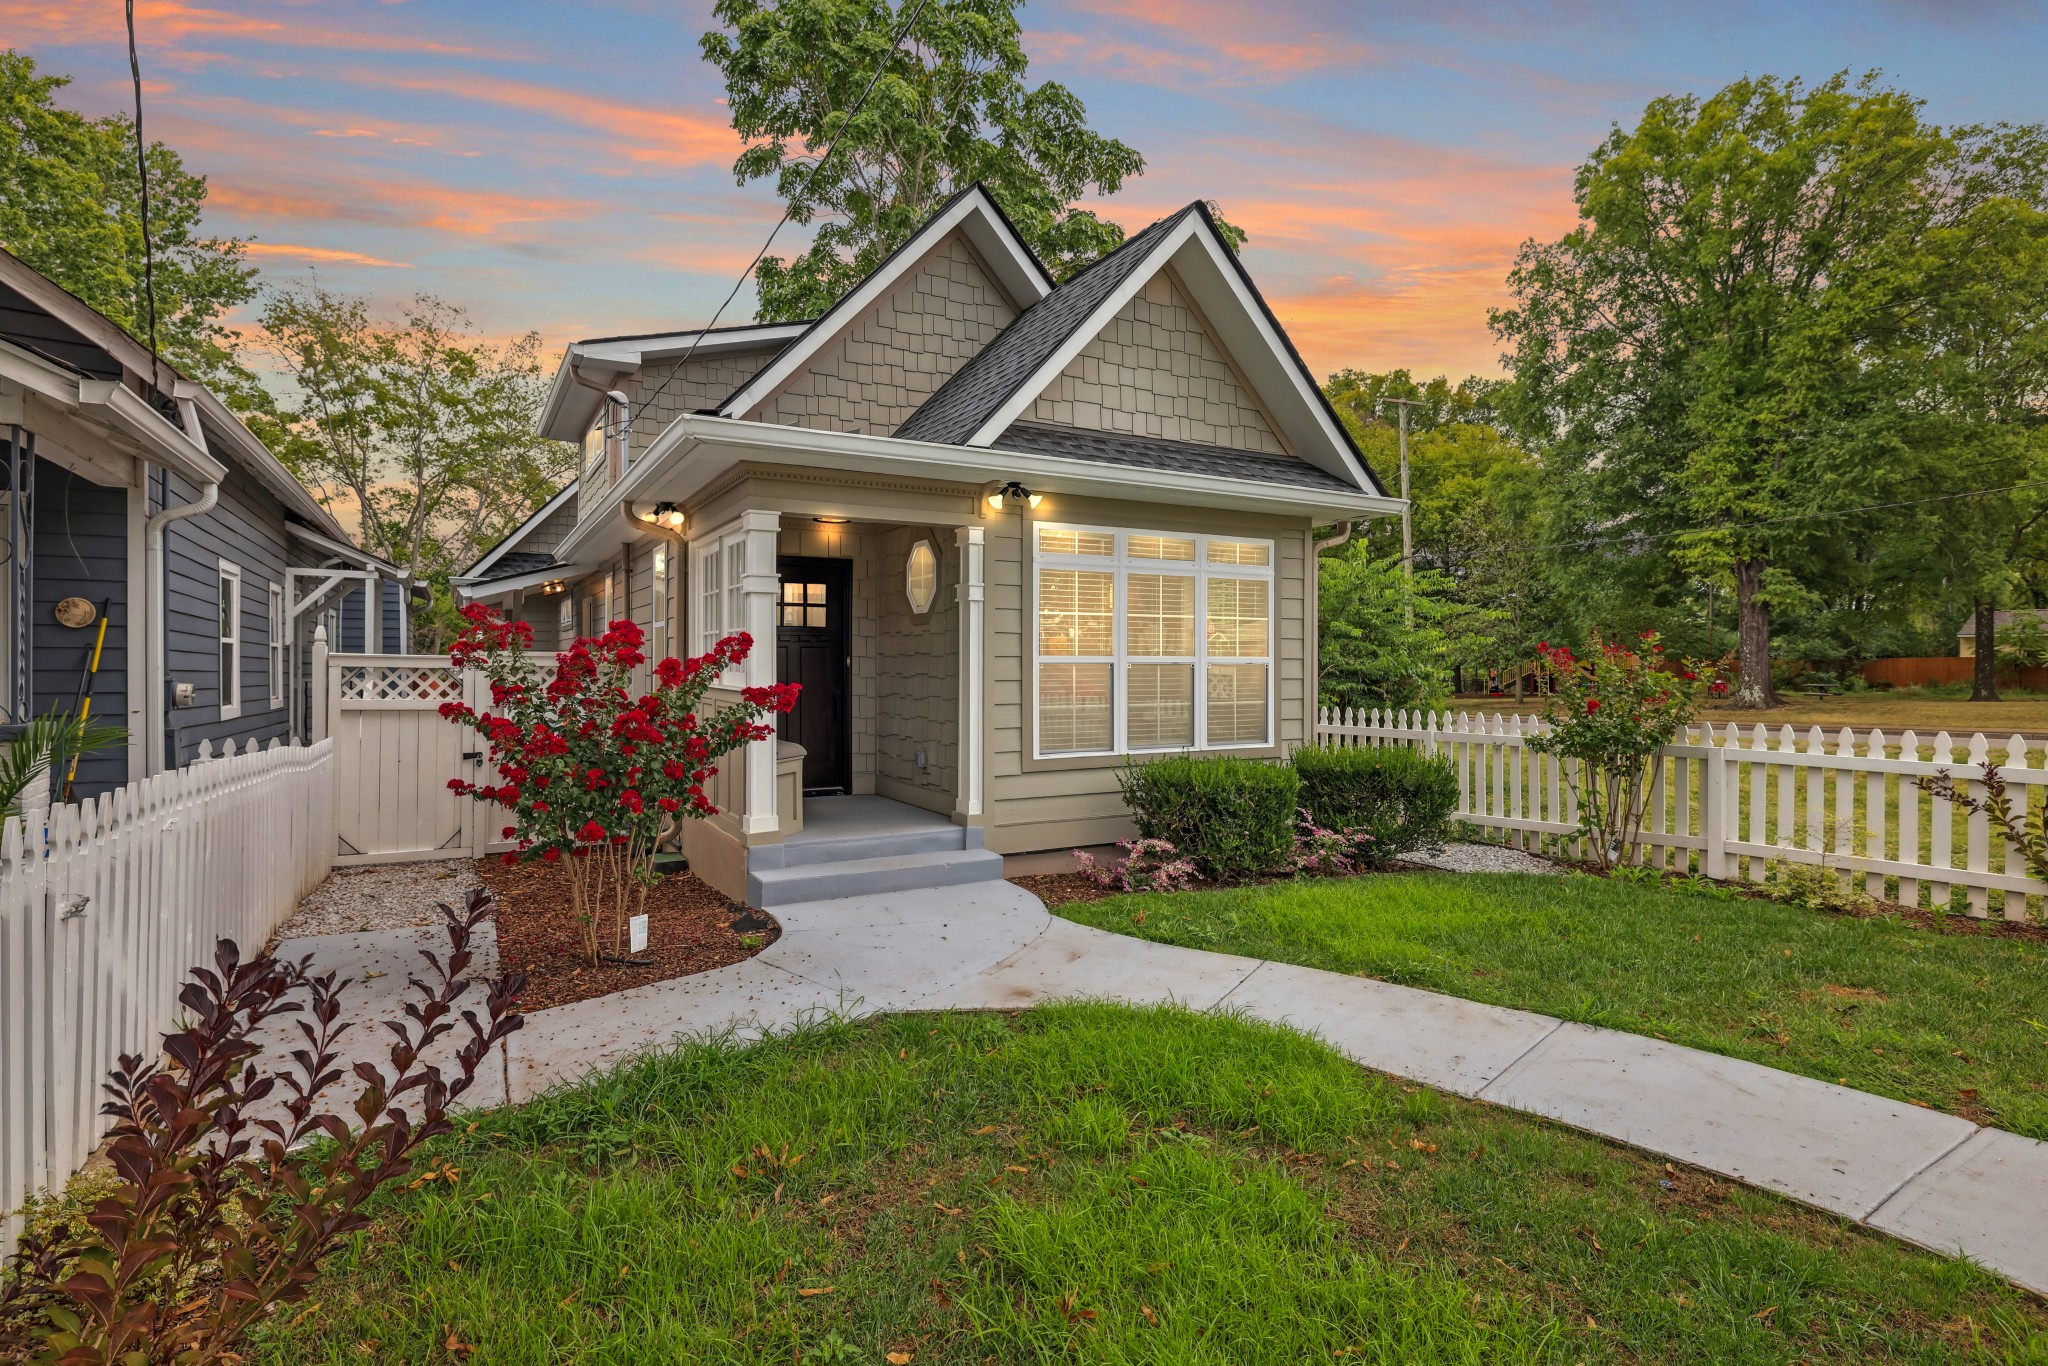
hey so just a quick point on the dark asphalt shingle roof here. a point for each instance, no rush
(974, 393)
(1179, 457)
(514, 563)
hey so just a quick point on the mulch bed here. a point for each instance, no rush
(687, 932)
(1060, 889)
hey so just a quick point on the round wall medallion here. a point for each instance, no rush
(76, 612)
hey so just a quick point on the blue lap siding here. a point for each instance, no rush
(81, 550)
(246, 528)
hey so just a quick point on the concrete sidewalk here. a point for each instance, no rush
(1920, 1175)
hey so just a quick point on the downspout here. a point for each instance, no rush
(155, 636)
(154, 624)
(1332, 542)
(1315, 621)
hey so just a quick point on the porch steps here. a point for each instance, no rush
(899, 872)
(938, 839)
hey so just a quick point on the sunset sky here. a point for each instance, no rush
(566, 167)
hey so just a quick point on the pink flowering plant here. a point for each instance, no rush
(1609, 712)
(1151, 865)
(592, 773)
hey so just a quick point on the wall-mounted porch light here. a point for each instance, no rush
(668, 516)
(1003, 493)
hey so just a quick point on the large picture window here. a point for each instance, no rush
(1151, 641)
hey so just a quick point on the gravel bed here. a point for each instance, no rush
(394, 896)
(1483, 858)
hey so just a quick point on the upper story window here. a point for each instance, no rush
(594, 440)
(1148, 641)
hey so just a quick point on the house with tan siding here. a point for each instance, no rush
(1010, 534)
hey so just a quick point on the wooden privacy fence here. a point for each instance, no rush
(104, 910)
(1727, 802)
(1915, 671)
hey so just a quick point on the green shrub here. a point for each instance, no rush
(1403, 798)
(1233, 817)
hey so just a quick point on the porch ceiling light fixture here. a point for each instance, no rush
(921, 577)
(553, 587)
(829, 521)
(664, 514)
(1003, 493)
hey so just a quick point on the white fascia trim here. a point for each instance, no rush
(646, 350)
(977, 216)
(163, 442)
(540, 514)
(1193, 231)
(342, 550)
(654, 475)
(110, 404)
(497, 588)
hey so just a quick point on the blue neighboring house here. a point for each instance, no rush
(129, 494)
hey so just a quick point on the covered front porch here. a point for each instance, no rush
(876, 782)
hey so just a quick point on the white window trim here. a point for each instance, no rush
(277, 634)
(718, 575)
(659, 591)
(230, 644)
(1122, 565)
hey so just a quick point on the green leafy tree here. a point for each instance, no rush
(1974, 356)
(1702, 353)
(422, 435)
(951, 107)
(71, 208)
(1386, 641)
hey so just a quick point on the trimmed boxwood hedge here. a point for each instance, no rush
(1404, 798)
(1234, 817)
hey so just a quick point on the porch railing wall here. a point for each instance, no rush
(104, 910)
(1727, 802)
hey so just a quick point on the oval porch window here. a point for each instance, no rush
(921, 575)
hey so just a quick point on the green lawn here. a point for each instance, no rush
(1943, 1019)
(1099, 1184)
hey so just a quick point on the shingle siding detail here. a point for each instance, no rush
(708, 382)
(1155, 371)
(899, 355)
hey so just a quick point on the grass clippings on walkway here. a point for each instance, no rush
(1944, 1019)
(687, 932)
(1099, 1184)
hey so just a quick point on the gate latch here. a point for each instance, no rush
(473, 755)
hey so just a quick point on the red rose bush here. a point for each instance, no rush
(591, 775)
(1609, 713)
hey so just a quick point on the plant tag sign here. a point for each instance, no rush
(637, 928)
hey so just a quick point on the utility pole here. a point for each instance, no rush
(1407, 512)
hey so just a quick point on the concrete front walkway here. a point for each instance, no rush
(1927, 1177)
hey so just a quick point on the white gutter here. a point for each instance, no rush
(692, 432)
(156, 664)
(182, 450)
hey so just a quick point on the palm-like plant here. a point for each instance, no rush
(47, 745)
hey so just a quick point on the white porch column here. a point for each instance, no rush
(761, 585)
(973, 595)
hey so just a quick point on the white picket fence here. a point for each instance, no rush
(1727, 802)
(104, 910)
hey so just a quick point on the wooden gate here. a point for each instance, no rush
(394, 755)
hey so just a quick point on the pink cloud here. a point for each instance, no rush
(317, 255)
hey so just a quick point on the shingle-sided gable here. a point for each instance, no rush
(898, 354)
(1155, 371)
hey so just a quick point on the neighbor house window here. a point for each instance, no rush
(230, 641)
(1151, 641)
(659, 635)
(277, 637)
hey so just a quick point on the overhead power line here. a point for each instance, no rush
(902, 32)
(142, 173)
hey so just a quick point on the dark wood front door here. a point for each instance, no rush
(812, 632)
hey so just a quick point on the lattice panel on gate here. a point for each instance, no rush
(425, 683)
